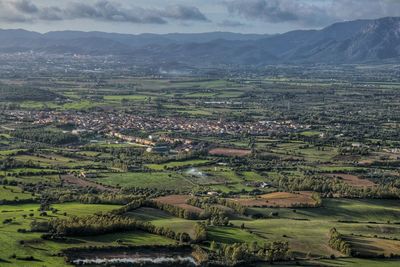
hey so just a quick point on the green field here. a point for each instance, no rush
(307, 229)
(180, 164)
(14, 193)
(161, 218)
(10, 239)
(162, 180)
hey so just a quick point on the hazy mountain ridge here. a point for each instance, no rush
(345, 42)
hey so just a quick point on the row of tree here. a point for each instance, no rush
(208, 202)
(337, 242)
(231, 254)
(45, 136)
(102, 224)
(328, 186)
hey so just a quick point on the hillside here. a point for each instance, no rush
(345, 42)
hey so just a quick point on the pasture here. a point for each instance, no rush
(161, 180)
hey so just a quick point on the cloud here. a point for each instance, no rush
(231, 23)
(277, 11)
(102, 10)
(26, 6)
(183, 13)
(312, 13)
(350, 9)
(108, 11)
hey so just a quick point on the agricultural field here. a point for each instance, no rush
(177, 164)
(163, 180)
(14, 193)
(279, 199)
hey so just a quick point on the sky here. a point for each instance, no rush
(188, 16)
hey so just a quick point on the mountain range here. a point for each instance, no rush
(359, 41)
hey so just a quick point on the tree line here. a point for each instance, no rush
(236, 253)
(45, 136)
(101, 224)
(337, 242)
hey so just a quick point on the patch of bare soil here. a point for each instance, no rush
(352, 180)
(279, 199)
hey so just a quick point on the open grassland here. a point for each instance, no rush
(14, 193)
(344, 210)
(161, 180)
(303, 236)
(178, 164)
(373, 247)
(30, 244)
(125, 97)
(34, 179)
(307, 229)
(45, 252)
(10, 152)
(164, 219)
(216, 175)
(305, 151)
(28, 171)
(55, 161)
(338, 262)
(231, 235)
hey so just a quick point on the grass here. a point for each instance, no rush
(80, 105)
(21, 171)
(54, 160)
(231, 235)
(345, 209)
(78, 209)
(10, 238)
(125, 97)
(310, 133)
(222, 179)
(308, 152)
(10, 152)
(351, 262)
(13, 193)
(42, 250)
(180, 164)
(253, 176)
(164, 180)
(310, 234)
(374, 247)
(50, 179)
(163, 219)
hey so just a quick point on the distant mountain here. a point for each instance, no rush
(345, 42)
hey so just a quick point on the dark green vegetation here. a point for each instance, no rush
(294, 165)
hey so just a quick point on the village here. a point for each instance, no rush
(106, 122)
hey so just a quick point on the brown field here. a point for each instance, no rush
(230, 152)
(179, 201)
(352, 180)
(373, 247)
(279, 199)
